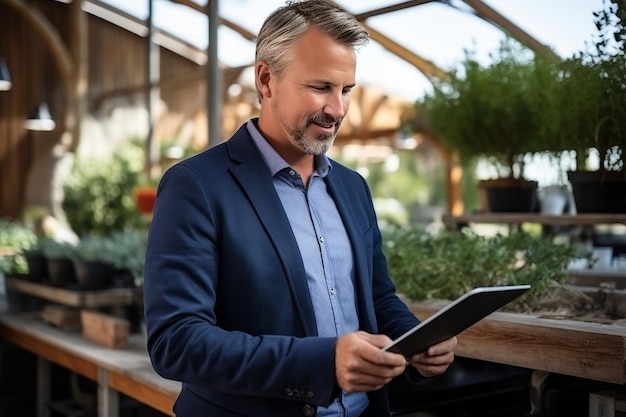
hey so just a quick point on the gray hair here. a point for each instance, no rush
(286, 24)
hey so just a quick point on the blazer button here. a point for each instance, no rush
(289, 392)
(309, 394)
(308, 410)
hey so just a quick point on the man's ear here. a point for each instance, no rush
(263, 75)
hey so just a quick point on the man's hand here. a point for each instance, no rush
(436, 359)
(361, 364)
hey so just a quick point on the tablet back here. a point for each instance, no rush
(455, 317)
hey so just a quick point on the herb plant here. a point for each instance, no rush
(445, 265)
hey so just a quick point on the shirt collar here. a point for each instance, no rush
(274, 162)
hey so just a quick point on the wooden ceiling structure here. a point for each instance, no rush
(64, 58)
(427, 67)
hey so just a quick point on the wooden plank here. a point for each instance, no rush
(72, 297)
(587, 350)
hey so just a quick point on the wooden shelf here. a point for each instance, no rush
(456, 222)
(73, 297)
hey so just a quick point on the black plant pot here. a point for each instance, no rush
(61, 272)
(599, 191)
(37, 266)
(510, 195)
(93, 275)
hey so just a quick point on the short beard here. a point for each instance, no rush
(315, 145)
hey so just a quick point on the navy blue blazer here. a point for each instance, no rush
(227, 306)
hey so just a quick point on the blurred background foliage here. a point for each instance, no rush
(99, 191)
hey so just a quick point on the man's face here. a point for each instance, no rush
(311, 97)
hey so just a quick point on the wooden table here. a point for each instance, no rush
(586, 350)
(127, 371)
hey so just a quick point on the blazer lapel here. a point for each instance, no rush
(256, 182)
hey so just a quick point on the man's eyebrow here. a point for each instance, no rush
(326, 82)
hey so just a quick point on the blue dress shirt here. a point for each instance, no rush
(326, 253)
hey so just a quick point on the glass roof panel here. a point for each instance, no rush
(438, 32)
(182, 22)
(435, 31)
(564, 25)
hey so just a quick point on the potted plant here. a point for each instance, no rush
(99, 192)
(496, 113)
(93, 263)
(446, 264)
(592, 101)
(36, 262)
(130, 256)
(144, 194)
(58, 256)
(100, 261)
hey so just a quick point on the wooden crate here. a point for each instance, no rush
(105, 329)
(609, 403)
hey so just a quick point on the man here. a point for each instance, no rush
(266, 290)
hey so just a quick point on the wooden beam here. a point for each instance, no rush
(392, 8)
(501, 22)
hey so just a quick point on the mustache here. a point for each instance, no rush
(325, 119)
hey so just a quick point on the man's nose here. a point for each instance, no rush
(337, 105)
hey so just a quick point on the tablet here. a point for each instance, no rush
(457, 316)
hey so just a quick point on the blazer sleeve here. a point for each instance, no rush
(196, 267)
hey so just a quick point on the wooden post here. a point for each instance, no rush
(153, 93)
(108, 398)
(214, 78)
(43, 387)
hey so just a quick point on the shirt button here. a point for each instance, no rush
(332, 291)
(321, 239)
(308, 410)
(292, 172)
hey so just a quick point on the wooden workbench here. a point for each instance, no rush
(127, 371)
(587, 350)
